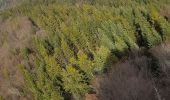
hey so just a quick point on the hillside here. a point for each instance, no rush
(60, 49)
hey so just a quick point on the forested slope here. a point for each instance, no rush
(62, 44)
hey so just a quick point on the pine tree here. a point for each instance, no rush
(73, 81)
(149, 35)
(86, 66)
(66, 49)
(101, 56)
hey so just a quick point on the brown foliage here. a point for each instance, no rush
(133, 79)
(162, 55)
(127, 81)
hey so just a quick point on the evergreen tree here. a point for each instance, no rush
(73, 81)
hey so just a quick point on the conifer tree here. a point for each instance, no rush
(149, 35)
(66, 49)
(73, 81)
(86, 66)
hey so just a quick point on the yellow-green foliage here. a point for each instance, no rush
(73, 81)
(149, 34)
(84, 38)
(1, 98)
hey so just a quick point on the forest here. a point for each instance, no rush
(84, 49)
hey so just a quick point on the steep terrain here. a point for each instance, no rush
(54, 49)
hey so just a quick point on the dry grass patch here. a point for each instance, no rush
(16, 33)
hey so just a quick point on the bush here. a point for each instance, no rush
(127, 81)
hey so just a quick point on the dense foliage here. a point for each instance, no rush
(77, 39)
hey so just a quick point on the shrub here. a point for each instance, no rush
(128, 80)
